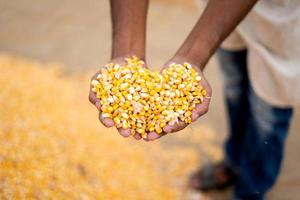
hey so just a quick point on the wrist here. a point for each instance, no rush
(128, 45)
(124, 49)
(199, 46)
(197, 55)
(127, 55)
(197, 61)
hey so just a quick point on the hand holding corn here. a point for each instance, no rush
(148, 104)
(199, 109)
(107, 121)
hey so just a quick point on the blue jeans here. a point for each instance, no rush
(255, 146)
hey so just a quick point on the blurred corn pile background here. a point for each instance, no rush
(51, 143)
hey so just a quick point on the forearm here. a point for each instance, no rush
(218, 20)
(129, 27)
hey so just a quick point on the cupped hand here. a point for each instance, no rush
(108, 122)
(197, 112)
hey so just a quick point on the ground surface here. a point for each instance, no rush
(77, 33)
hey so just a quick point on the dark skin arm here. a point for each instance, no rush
(129, 27)
(218, 20)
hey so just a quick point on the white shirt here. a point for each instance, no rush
(271, 32)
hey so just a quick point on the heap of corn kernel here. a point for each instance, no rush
(144, 101)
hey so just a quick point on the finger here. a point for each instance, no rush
(200, 109)
(106, 121)
(146, 139)
(195, 114)
(93, 99)
(92, 96)
(206, 86)
(137, 136)
(174, 128)
(124, 132)
(98, 105)
(154, 136)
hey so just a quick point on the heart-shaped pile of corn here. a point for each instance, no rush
(144, 101)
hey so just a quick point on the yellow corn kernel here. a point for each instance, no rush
(198, 78)
(158, 129)
(144, 135)
(192, 107)
(162, 124)
(188, 113)
(125, 115)
(106, 115)
(140, 130)
(125, 124)
(151, 129)
(94, 82)
(132, 132)
(146, 107)
(117, 120)
(188, 120)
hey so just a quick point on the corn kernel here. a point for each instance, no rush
(158, 129)
(94, 82)
(125, 124)
(198, 78)
(106, 115)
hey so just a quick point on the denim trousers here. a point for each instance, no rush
(257, 130)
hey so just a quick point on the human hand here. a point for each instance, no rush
(108, 122)
(197, 112)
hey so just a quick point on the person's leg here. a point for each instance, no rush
(262, 150)
(233, 65)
